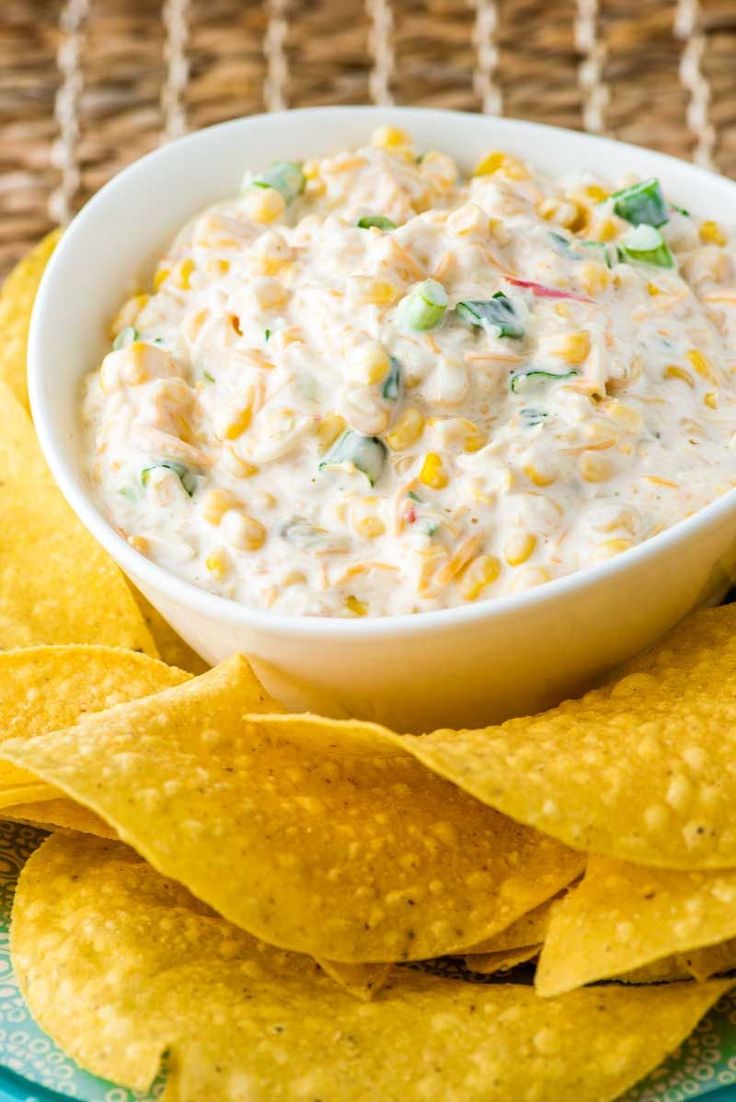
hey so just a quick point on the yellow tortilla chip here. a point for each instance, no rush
(171, 647)
(58, 814)
(624, 916)
(316, 835)
(667, 970)
(362, 981)
(530, 929)
(119, 965)
(56, 584)
(641, 770)
(713, 960)
(16, 303)
(487, 964)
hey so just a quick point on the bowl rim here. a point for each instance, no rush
(213, 606)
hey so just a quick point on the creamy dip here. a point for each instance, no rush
(368, 386)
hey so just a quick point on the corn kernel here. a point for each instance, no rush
(160, 278)
(390, 137)
(701, 364)
(653, 289)
(263, 204)
(310, 169)
(539, 478)
(710, 400)
(216, 504)
(139, 544)
(217, 563)
(365, 290)
(627, 416)
(128, 313)
(407, 429)
(369, 363)
(294, 577)
(357, 607)
(529, 578)
(184, 273)
(568, 213)
(370, 527)
(595, 467)
(433, 473)
(244, 532)
(440, 167)
(593, 277)
(609, 548)
(605, 231)
(672, 371)
(329, 428)
(574, 348)
(596, 193)
(235, 464)
(490, 163)
(482, 572)
(239, 423)
(712, 234)
(519, 548)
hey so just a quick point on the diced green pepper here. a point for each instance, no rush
(127, 336)
(641, 204)
(377, 220)
(517, 379)
(366, 453)
(497, 312)
(285, 176)
(645, 245)
(187, 478)
(425, 305)
(391, 388)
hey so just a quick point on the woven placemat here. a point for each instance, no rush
(88, 85)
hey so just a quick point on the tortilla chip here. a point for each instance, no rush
(56, 584)
(640, 770)
(362, 981)
(625, 916)
(120, 965)
(316, 835)
(713, 960)
(59, 814)
(530, 929)
(667, 970)
(171, 647)
(487, 964)
(16, 303)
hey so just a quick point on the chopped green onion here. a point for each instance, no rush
(645, 245)
(681, 210)
(267, 335)
(377, 220)
(185, 476)
(130, 493)
(518, 377)
(366, 453)
(414, 497)
(391, 388)
(208, 377)
(563, 245)
(533, 417)
(498, 312)
(128, 335)
(431, 527)
(285, 176)
(601, 251)
(641, 204)
(425, 305)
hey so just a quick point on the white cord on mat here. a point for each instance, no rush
(274, 87)
(64, 151)
(590, 71)
(688, 28)
(175, 19)
(485, 82)
(382, 51)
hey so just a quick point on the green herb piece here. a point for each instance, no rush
(533, 417)
(391, 388)
(680, 210)
(641, 204)
(267, 335)
(563, 245)
(366, 453)
(601, 251)
(187, 478)
(497, 312)
(431, 527)
(127, 336)
(645, 245)
(415, 497)
(208, 377)
(285, 176)
(425, 305)
(129, 493)
(377, 220)
(517, 379)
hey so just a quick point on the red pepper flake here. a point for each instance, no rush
(411, 515)
(541, 291)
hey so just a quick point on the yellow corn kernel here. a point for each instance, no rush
(564, 212)
(529, 579)
(184, 273)
(357, 607)
(701, 364)
(609, 548)
(595, 467)
(139, 544)
(596, 193)
(672, 371)
(390, 137)
(314, 188)
(217, 563)
(519, 548)
(310, 169)
(235, 464)
(440, 167)
(605, 231)
(593, 277)
(539, 478)
(162, 274)
(433, 473)
(128, 313)
(481, 572)
(406, 430)
(263, 204)
(711, 400)
(240, 422)
(329, 428)
(653, 289)
(474, 438)
(216, 504)
(273, 265)
(490, 163)
(627, 416)
(369, 363)
(294, 577)
(365, 290)
(244, 532)
(712, 234)
(574, 348)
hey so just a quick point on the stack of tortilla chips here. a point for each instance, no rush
(248, 892)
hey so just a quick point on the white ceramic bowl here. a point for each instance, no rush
(463, 666)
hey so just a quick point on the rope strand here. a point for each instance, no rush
(485, 76)
(175, 18)
(380, 45)
(595, 94)
(274, 89)
(688, 28)
(64, 150)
